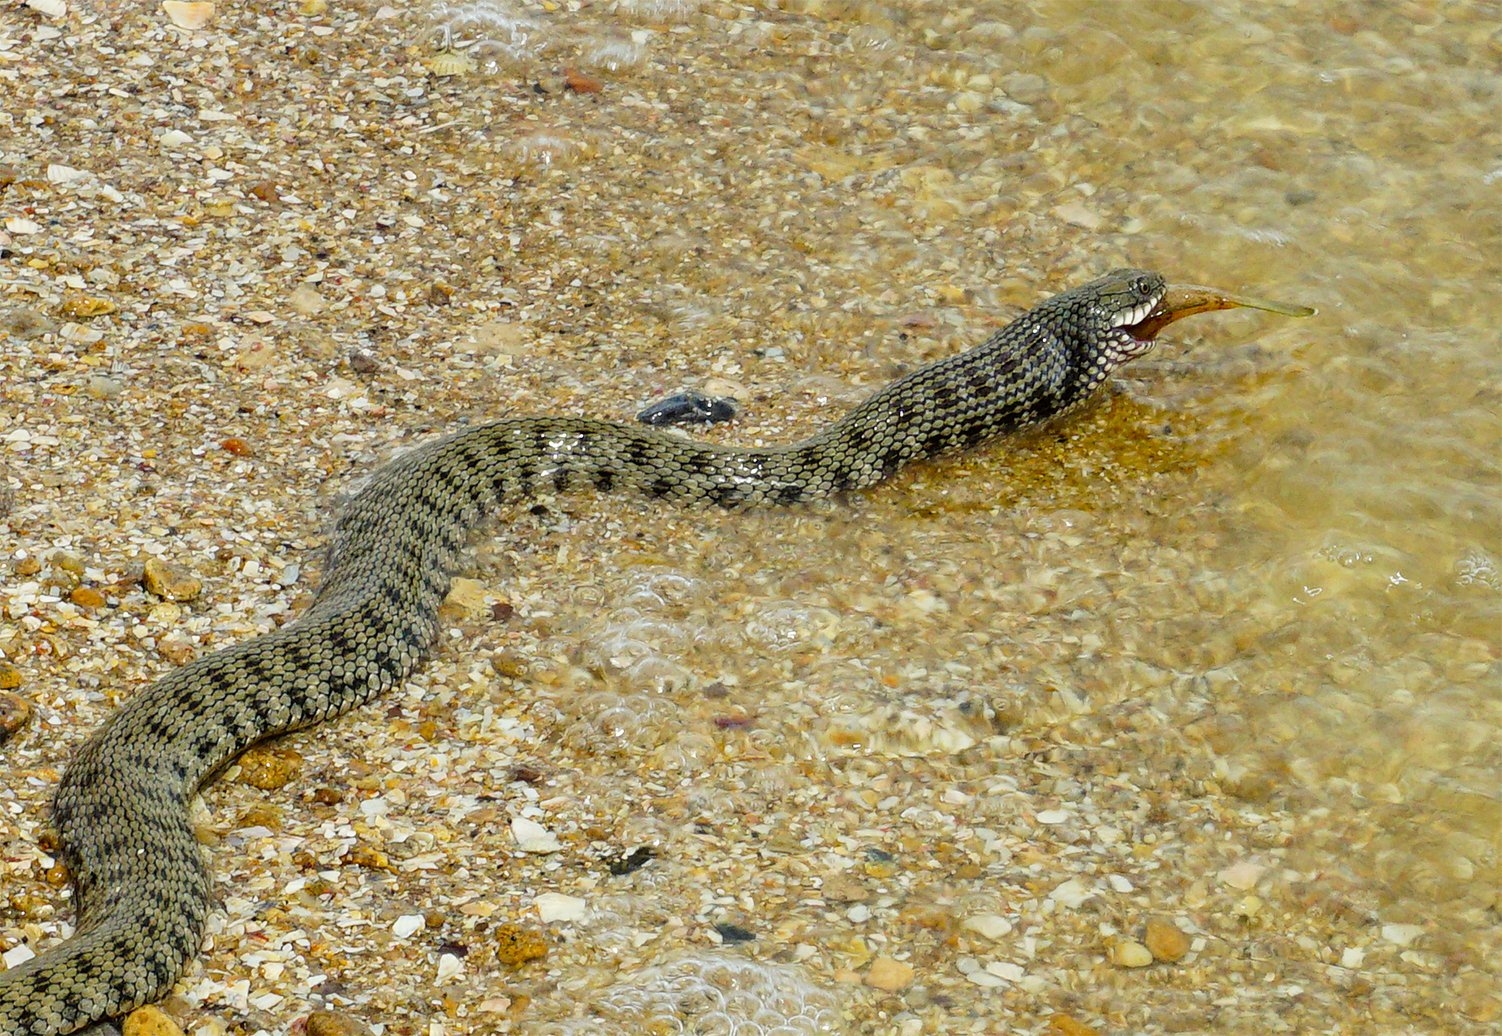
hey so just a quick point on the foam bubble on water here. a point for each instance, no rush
(613, 54)
(710, 992)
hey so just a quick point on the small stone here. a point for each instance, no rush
(10, 677)
(449, 966)
(306, 301)
(466, 599)
(1401, 934)
(580, 83)
(370, 858)
(842, 888)
(188, 14)
(172, 582)
(176, 648)
(1065, 1025)
(408, 925)
(532, 837)
(1070, 893)
(890, 975)
(1165, 941)
(150, 1021)
(84, 307)
(1128, 953)
(1079, 214)
(1243, 874)
(333, 1023)
(516, 944)
(269, 768)
(555, 906)
(15, 711)
(991, 926)
(1025, 88)
(1053, 816)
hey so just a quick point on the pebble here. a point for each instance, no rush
(85, 307)
(1243, 874)
(1070, 893)
(169, 581)
(449, 966)
(516, 944)
(555, 906)
(408, 925)
(890, 975)
(842, 888)
(150, 1021)
(1128, 953)
(1166, 941)
(188, 14)
(269, 767)
(532, 837)
(10, 677)
(334, 1023)
(306, 301)
(176, 648)
(15, 712)
(1067, 1025)
(466, 598)
(991, 926)
(1402, 934)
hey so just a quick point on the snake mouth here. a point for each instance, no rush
(1133, 318)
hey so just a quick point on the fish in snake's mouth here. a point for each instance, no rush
(1144, 321)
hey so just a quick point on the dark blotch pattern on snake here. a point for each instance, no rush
(122, 809)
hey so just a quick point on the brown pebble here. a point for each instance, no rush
(177, 648)
(172, 582)
(367, 857)
(580, 83)
(239, 447)
(334, 1023)
(15, 712)
(83, 307)
(327, 796)
(150, 1021)
(890, 975)
(87, 597)
(516, 944)
(508, 663)
(27, 566)
(10, 677)
(264, 190)
(269, 768)
(1064, 1025)
(1166, 941)
(842, 888)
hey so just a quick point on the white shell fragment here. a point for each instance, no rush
(532, 837)
(188, 14)
(555, 906)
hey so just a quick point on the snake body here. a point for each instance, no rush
(143, 890)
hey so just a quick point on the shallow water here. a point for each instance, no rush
(1248, 608)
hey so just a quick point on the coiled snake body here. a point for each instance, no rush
(122, 810)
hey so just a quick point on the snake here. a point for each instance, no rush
(121, 812)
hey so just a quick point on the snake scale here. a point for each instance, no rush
(121, 813)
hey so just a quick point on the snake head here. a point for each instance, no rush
(1112, 314)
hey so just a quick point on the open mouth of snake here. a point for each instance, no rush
(1134, 320)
